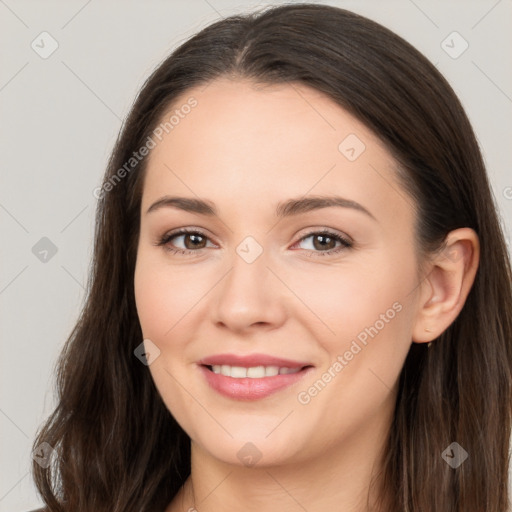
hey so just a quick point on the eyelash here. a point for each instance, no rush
(345, 243)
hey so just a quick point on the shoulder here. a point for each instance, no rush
(39, 510)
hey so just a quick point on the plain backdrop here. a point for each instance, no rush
(61, 112)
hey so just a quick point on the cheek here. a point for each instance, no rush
(163, 296)
(362, 321)
(340, 303)
(151, 302)
(363, 329)
(163, 299)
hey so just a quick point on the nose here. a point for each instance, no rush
(250, 295)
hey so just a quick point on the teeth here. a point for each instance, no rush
(271, 371)
(253, 372)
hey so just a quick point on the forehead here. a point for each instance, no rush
(251, 142)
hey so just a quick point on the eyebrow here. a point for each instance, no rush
(286, 208)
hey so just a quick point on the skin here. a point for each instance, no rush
(245, 148)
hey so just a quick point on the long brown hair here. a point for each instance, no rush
(117, 447)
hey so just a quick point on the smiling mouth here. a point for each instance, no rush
(252, 372)
(252, 382)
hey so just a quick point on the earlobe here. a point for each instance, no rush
(445, 288)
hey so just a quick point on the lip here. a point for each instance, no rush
(249, 360)
(248, 388)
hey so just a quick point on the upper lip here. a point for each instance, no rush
(251, 360)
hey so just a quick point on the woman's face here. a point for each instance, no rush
(265, 284)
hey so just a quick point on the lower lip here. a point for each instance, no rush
(251, 389)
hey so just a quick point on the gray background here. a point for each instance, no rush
(60, 116)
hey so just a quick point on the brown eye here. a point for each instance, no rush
(322, 242)
(325, 243)
(197, 241)
(191, 241)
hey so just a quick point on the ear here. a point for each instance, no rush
(444, 289)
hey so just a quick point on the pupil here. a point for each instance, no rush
(194, 239)
(324, 238)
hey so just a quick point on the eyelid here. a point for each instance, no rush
(345, 241)
(324, 229)
(176, 233)
(186, 230)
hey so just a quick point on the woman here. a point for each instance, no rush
(300, 296)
